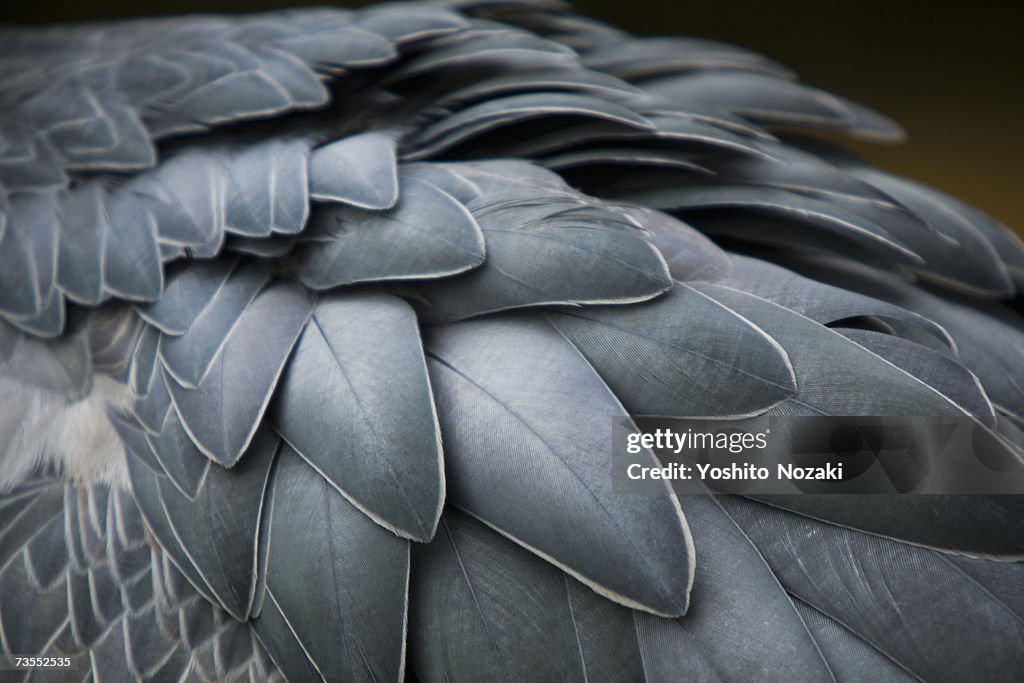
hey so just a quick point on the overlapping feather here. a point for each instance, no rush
(225, 214)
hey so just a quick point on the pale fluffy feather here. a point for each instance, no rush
(38, 427)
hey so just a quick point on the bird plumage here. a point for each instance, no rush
(314, 325)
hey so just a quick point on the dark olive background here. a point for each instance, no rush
(951, 72)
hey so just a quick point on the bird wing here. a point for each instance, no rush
(314, 326)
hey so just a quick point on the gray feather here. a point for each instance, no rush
(243, 94)
(267, 188)
(62, 366)
(940, 372)
(21, 522)
(670, 129)
(987, 346)
(146, 486)
(505, 46)
(864, 384)
(806, 218)
(484, 609)
(767, 100)
(948, 523)
(29, 162)
(643, 58)
(558, 250)
(132, 267)
(689, 254)
(377, 443)
(357, 632)
(571, 80)
(261, 247)
(28, 254)
(410, 23)
(487, 116)
(346, 46)
(84, 232)
(145, 361)
(832, 306)
(186, 195)
(45, 556)
(681, 354)
(292, 75)
(360, 170)
(179, 458)
(219, 529)
(151, 408)
(429, 234)
(208, 307)
(885, 591)
(512, 387)
(222, 413)
(850, 657)
(191, 287)
(30, 619)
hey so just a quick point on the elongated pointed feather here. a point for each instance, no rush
(492, 114)
(849, 656)
(571, 80)
(151, 408)
(769, 100)
(340, 47)
(830, 305)
(938, 371)
(689, 254)
(209, 307)
(21, 524)
(647, 57)
(410, 23)
(504, 46)
(28, 254)
(520, 618)
(222, 413)
(519, 377)
(804, 216)
(190, 288)
(218, 531)
(743, 628)
(45, 556)
(885, 591)
(681, 354)
(145, 361)
(378, 443)
(485, 609)
(357, 631)
(987, 346)
(145, 487)
(429, 234)
(132, 267)
(670, 129)
(597, 261)
(948, 523)
(869, 385)
(29, 619)
(179, 458)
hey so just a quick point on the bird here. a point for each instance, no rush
(317, 325)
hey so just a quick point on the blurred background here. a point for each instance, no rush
(951, 72)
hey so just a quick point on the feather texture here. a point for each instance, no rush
(243, 258)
